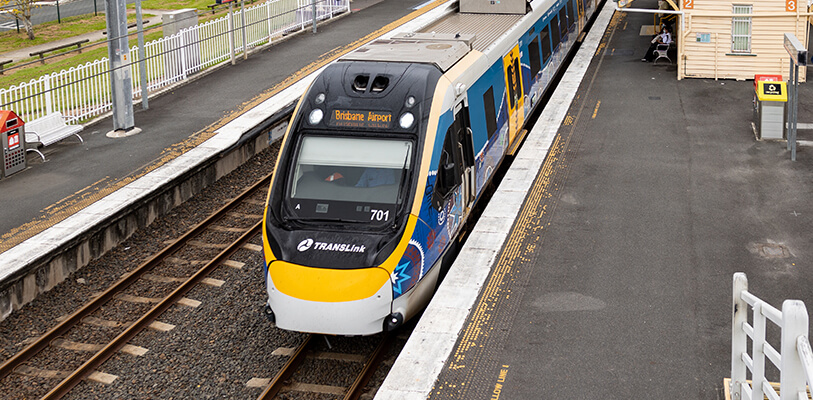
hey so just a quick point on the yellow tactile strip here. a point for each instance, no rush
(66, 207)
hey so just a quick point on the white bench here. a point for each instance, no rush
(48, 130)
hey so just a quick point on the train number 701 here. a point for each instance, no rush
(380, 215)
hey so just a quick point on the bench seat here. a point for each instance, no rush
(48, 130)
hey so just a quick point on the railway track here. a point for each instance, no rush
(151, 288)
(309, 348)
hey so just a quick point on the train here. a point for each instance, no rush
(389, 150)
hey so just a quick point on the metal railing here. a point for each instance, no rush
(794, 360)
(83, 92)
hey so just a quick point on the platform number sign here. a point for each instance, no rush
(13, 139)
(790, 5)
(689, 4)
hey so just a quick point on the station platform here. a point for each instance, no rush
(602, 266)
(83, 187)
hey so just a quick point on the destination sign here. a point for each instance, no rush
(360, 119)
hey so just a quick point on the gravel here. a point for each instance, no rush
(214, 349)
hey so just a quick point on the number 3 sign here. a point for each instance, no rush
(790, 5)
(689, 4)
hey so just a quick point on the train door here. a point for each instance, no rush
(579, 14)
(514, 93)
(465, 148)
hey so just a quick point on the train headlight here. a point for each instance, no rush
(410, 101)
(320, 98)
(406, 120)
(316, 116)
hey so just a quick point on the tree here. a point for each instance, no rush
(21, 11)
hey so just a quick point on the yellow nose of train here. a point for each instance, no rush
(320, 300)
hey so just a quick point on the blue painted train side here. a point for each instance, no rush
(485, 108)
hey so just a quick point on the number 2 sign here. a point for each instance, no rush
(790, 5)
(689, 4)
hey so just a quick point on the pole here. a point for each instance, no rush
(142, 58)
(95, 9)
(121, 78)
(231, 33)
(790, 95)
(243, 28)
(313, 14)
(58, 19)
(795, 108)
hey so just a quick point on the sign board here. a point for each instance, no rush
(689, 4)
(360, 119)
(772, 91)
(791, 5)
(797, 52)
(14, 139)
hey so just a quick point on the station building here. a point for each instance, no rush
(737, 39)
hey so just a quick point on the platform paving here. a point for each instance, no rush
(640, 198)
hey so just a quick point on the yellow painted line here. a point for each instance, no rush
(595, 111)
(68, 206)
(495, 394)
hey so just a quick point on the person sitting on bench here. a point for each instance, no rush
(665, 37)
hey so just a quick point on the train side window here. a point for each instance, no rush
(448, 177)
(533, 55)
(490, 112)
(554, 32)
(563, 19)
(544, 38)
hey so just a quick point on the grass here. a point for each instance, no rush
(74, 26)
(53, 31)
(73, 59)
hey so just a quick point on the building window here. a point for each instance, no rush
(741, 29)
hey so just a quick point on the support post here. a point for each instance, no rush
(792, 379)
(793, 79)
(121, 79)
(231, 33)
(142, 58)
(739, 340)
(313, 14)
(243, 28)
(798, 57)
(790, 88)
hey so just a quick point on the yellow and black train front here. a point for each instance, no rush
(339, 221)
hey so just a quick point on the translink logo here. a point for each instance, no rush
(309, 243)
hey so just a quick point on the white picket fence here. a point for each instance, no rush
(794, 359)
(83, 92)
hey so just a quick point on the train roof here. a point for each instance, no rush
(486, 28)
(440, 49)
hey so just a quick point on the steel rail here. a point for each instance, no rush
(60, 329)
(287, 370)
(111, 348)
(355, 390)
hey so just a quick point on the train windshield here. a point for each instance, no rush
(349, 179)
